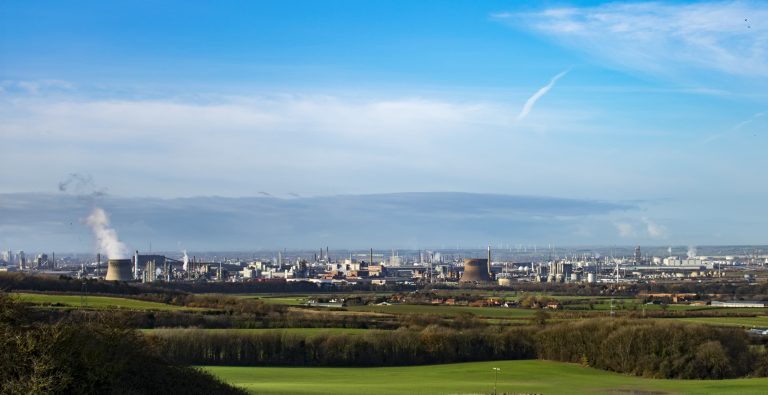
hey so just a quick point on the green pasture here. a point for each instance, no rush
(286, 300)
(278, 298)
(490, 312)
(293, 331)
(530, 376)
(758, 321)
(624, 304)
(93, 302)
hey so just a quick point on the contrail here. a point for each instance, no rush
(736, 128)
(536, 96)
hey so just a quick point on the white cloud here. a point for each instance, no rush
(248, 144)
(660, 37)
(653, 229)
(625, 229)
(35, 87)
(538, 95)
(115, 120)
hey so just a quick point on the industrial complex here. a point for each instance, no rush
(462, 268)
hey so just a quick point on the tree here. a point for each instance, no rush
(540, 318)
(710, 361)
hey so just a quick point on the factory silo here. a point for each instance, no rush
(119, 270)
(476, 270)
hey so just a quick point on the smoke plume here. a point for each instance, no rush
(691, 252)
(105, 235)
(185, 266)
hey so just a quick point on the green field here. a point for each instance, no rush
(93, 302)
(759, 321)
(540, 377)
(286, 300)
(295, 331)
(491, 312)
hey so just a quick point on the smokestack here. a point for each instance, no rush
(98, 264)
(489, 260)
(136, 265)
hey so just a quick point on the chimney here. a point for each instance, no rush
(489, 260)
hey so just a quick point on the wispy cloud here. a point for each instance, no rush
(735, 128)
(625, 229)
(35, 87)
(642, 228)
(653, 229)
(297, 137)
(659, 37)
(538, 95)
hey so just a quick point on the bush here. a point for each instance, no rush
(94, 358)
(649, 348)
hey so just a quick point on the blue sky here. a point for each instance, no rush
(660, 106)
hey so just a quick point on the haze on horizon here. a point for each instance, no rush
(650, 115)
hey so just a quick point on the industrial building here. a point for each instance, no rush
(119, 270)
(477, 270)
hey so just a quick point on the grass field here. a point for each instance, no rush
(296, 331)
(541, 377)
(286, 300)
(759, 321)
(491, 312)
(94, 302)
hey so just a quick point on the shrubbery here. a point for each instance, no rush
(88, 358)
(650, 348)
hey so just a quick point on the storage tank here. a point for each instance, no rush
(119, 270)
(475, 270)
(590, 278)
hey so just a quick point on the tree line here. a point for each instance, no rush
(431, 345)
(648, 348)
(654, 348)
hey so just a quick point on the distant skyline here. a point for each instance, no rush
(660, 108)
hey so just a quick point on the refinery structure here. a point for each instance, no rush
(461, 268)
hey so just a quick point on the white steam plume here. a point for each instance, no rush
(536, 96)
(105, 235)
(691, 252)
(654, 230)
(185, 266)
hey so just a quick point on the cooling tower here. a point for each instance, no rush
(119, 270)
(475, 270)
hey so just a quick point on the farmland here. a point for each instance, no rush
(292, 331)
(93, 302)
(476, 377)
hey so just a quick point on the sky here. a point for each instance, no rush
(658, 109)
